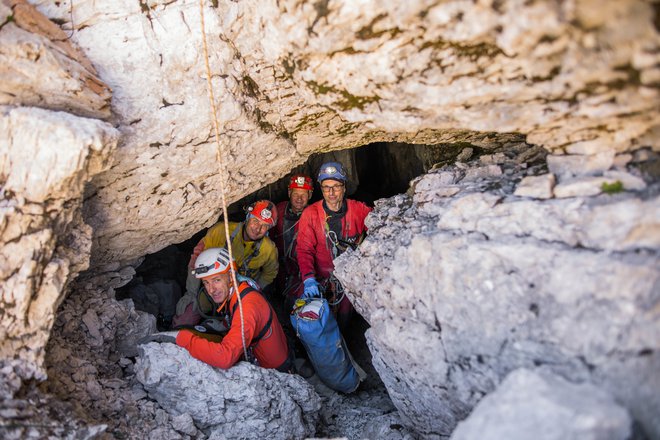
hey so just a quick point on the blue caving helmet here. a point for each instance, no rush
(331, 170)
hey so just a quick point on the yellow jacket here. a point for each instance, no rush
(262, 266)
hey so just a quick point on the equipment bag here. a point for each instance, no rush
(317, 329)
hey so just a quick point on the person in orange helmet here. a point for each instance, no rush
(285, 234)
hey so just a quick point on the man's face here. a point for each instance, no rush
(298, 198)
(333, 191)
(217, 286)
(256, 229)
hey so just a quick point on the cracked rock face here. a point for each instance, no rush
(46, 157)
(538, 404)
(243, 402)
(463, 282)
(293, 78)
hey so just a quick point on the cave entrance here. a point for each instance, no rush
(375, 171)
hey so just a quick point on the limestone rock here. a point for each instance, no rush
(301, 78)
(538, 187)
(629, 181)
(40, 67)
(243, 402)
(460, 291)
(136, 326)
(591, 186)
(540, 405)
(580, 165)
(46, 158)
(580, 187)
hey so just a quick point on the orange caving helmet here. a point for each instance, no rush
(300, 181)
(264, 210)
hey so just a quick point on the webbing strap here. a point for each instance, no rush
(264, 330)
(254, 253)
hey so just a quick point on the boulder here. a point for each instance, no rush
(245, 401)
(541, 405)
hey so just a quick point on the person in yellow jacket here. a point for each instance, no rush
(254, 252)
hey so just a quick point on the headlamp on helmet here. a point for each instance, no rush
(332, 170)
(210, 262)
(300, 181)
(263, 210)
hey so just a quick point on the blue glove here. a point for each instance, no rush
(311, 288)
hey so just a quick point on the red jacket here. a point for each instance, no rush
(314, 250)
(271, 351)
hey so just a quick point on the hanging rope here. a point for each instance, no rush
(219, 156)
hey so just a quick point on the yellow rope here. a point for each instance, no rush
(219, 156)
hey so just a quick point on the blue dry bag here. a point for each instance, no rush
(317, 329)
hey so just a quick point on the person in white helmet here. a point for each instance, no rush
(254, 252)
(218, 299)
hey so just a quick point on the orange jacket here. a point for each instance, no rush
(271, 351)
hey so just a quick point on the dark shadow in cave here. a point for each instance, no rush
(375, 171)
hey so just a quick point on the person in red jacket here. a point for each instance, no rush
(326, 229)
(286, 234)
(260, 328)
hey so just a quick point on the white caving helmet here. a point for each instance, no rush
(212, 261)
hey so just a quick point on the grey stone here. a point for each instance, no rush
(541, 405)
(538, 187)
(580, 165)
(481, 284)
(580, 187)
(243, 402)
(184, 423)
(131, 330)
(630, 182)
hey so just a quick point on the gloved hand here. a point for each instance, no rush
(160, 337)
(311, 288)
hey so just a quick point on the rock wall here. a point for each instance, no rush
(463, 282)
(538, 404)
(472, 281)
(46, 158)
(293, 78)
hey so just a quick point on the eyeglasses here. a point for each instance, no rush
(334, 188)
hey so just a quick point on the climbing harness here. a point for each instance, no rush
(219, 156)
(334, 291)
(265, 332)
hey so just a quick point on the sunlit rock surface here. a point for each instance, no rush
(293, 78)
(463, 282)
(40, 67)
(243, 402)
(46, 158)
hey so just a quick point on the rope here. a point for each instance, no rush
(219, 156)
(73, 29)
